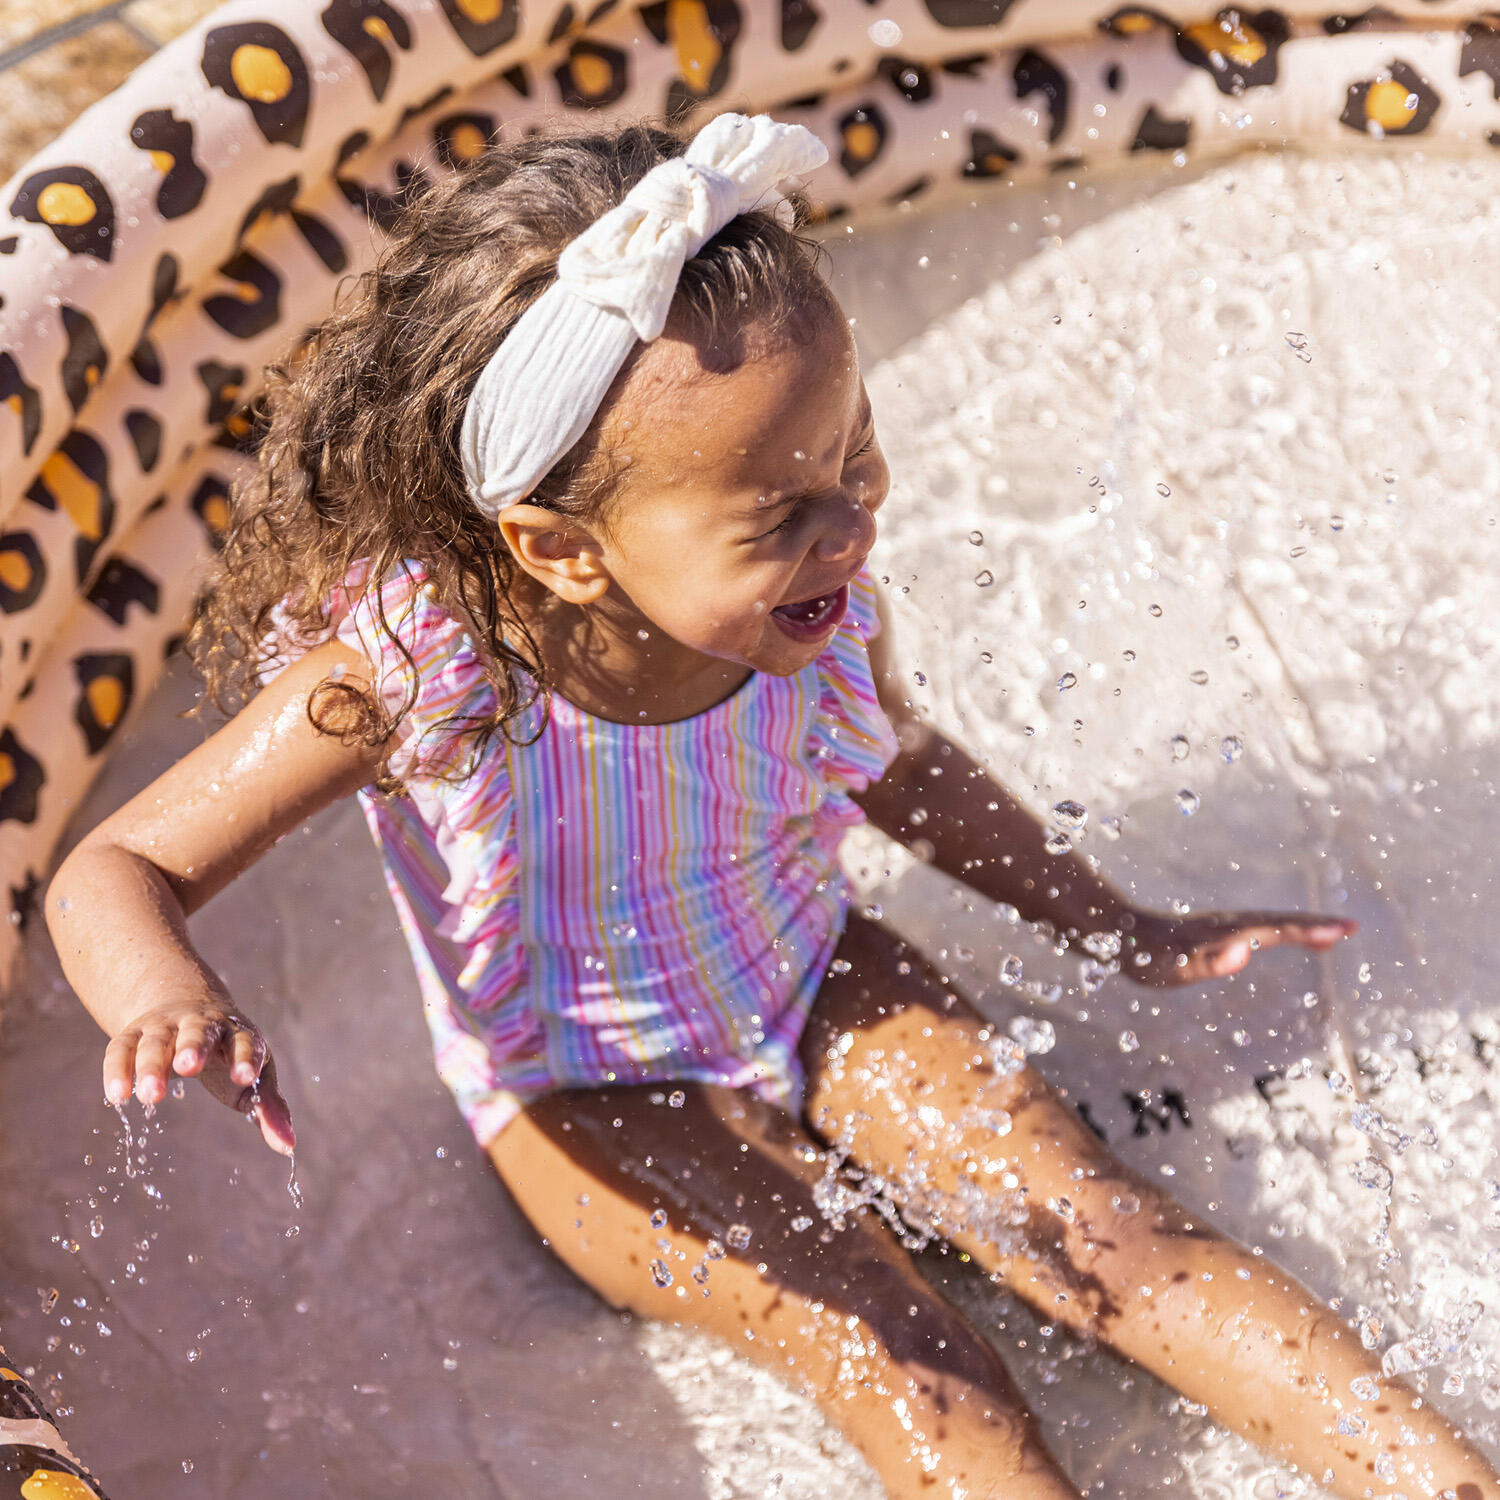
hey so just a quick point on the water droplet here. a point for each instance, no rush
(737, 1237)
(801, 1223)
(976, 537)
(1231, 747)
(1129, 1042)
(1111, 827)
(1067, 680)
(659, 1218)
(984, 578)
(1010, 970)
(676, 1099)
(1125, 1203)
(1336, 523)
(96, 1227)
(885, 33)
(660, 1275)
(1154, 610)
(187, 1466)
(1034, 1036)
(1297, 343)
(1198, 678)
(1070, 814)
(1180, 747)
(1187, 802)
(1057, 842)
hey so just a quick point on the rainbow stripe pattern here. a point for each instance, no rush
(618, 903)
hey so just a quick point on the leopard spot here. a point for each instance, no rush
(1131, 22)
(53, 1484)
(367, 30)
(862, 134)
(1399, 103)
(799, 19)
(989, 156)
(260, 65)
(107, 684)
(21, 398)
(169, 143)
(74, 204)
(592, 76)
(968, 12)
(22, 571)
(75, 480)
(210, 504)
(120, 585)
(482, 25)
(21, 780)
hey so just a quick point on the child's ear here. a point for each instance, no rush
(560, 555)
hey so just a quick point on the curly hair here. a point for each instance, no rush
(357, 461)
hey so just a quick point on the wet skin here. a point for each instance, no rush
(760, 493)
(1010, 1174)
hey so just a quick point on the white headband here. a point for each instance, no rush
(615, 283)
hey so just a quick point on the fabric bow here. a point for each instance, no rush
(615, 283)
(631, 259)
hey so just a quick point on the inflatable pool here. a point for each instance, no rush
(1193, 528)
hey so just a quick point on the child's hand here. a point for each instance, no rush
(1185, 950)
(203, 1039)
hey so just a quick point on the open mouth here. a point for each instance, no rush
(808, 619)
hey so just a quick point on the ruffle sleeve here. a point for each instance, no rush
(426, 668)
(852, 741)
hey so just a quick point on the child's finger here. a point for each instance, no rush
(119, 1067)
(1319, 932)
(1229, 958)
(272, 1113)
(153, 1062)
(247, 1055)
(196, 1039)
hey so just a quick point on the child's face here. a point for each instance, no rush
(748, 502)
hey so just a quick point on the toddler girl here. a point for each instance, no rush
(557, 556)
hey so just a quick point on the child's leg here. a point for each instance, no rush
(899, 1070)
(628, 1192)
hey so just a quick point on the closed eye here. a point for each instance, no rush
(795, 508)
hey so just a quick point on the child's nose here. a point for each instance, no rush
(850, 533)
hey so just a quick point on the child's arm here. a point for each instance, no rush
(934, 793)
(117, 908)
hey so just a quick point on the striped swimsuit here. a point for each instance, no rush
(619, 903)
